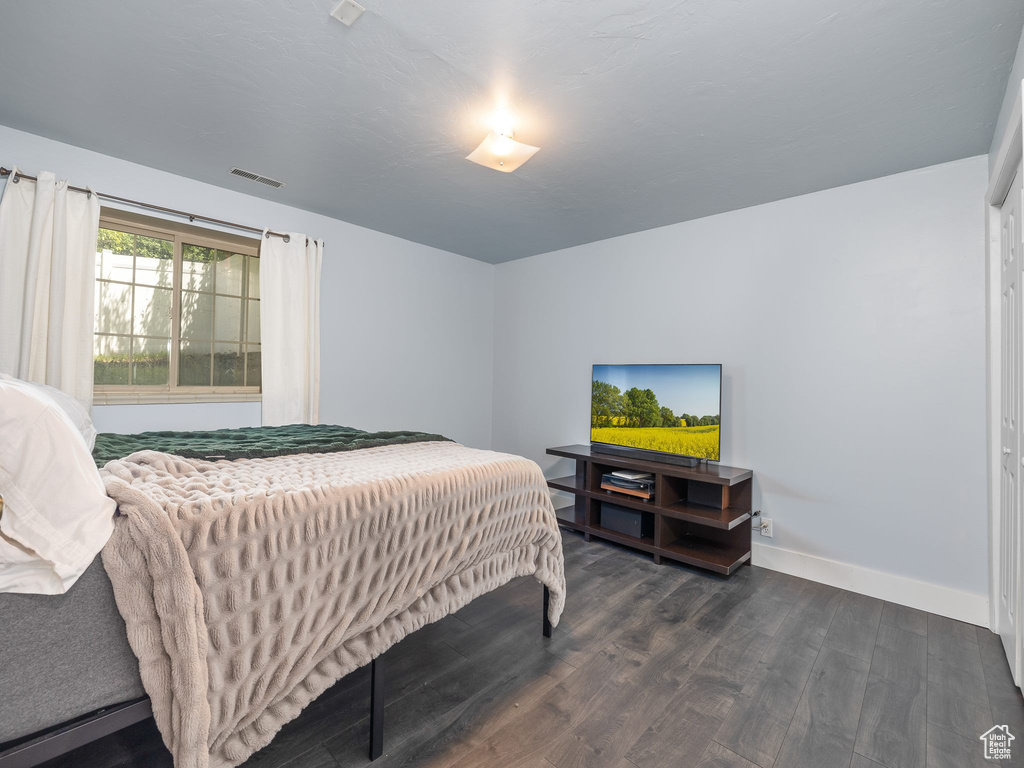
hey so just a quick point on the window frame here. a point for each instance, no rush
(172, 392)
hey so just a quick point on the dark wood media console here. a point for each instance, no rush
(701, 514)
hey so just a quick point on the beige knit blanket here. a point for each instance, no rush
(249, 587)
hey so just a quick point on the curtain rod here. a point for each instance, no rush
(137, 203)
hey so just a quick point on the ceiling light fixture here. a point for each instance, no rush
(501, 152)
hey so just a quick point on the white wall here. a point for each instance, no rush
(406, 330)
(127, 419)
(850, 325)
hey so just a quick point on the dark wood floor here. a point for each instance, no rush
(658, 666)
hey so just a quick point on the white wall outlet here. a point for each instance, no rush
(766, 527)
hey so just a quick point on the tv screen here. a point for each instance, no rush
(665, 408)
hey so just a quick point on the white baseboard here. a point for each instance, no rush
(944, 601)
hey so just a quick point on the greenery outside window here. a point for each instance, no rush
(177, 313)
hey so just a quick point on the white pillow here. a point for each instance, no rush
(77, 412)
(56, 514)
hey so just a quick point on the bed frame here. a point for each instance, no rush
(63, 738)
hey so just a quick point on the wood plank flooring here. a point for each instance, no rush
(656, 667)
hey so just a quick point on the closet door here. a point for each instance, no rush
(1010, 533)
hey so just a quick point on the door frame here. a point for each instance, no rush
(1008, 158)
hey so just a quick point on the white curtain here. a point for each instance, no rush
(290, 329)
(47, 283)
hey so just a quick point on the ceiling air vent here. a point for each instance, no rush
(256, 177)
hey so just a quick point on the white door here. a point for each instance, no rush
(1010, 533)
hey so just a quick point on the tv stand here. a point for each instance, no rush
(701, 513)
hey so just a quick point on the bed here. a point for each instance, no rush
(245, 576)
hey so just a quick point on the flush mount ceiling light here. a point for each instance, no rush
(501, 152)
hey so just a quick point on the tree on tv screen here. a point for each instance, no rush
(638, 408)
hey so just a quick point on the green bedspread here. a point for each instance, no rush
(252, 442)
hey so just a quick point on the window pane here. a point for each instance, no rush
(118, 242)
(230, 270)
(228, 319)
(154, 261)
(194, 364)
(151, 361)
(113, 266)
(152, 312)
(253, 326)
(110, 359)
(114, 255)
(196, 268)
(227, 365)
(196, 316)
(113, 308)
(254, 277)
(253, 370)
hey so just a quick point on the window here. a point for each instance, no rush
(177, 313)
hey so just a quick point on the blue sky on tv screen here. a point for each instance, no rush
(693, 389)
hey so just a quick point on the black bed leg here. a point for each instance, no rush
(547, 621)
(376, 709)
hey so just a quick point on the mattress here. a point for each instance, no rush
(63, 656)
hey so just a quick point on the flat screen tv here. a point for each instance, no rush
(660, 412)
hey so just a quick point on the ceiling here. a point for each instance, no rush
(647, 112)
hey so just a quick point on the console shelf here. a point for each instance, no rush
(701, 514)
